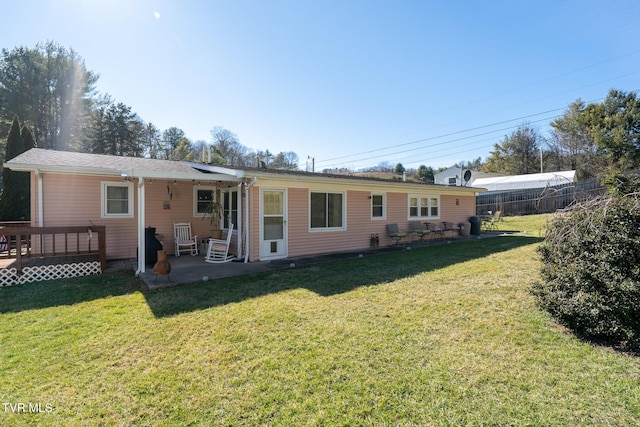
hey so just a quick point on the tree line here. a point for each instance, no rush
(52, 92)
(592, 139)
(596, 140)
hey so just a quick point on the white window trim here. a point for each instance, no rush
(213, 189)
(230, 190)
(197, 214)
(384, 207)
(423, 196)
(344, 213)
(103, 199)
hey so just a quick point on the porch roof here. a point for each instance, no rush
(38, 159)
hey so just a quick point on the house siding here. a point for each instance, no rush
(460, 211)
(178, 196)
(71, 200)
(300, 241)
(359, 225)
(75, 199)
(254, 226)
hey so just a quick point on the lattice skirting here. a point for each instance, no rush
(10, 277)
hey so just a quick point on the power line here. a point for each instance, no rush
(395, 153)
(503, 92)
(448, 141)
(439, 136)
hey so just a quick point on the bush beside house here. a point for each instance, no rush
(591, 267)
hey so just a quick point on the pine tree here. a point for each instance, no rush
(14, 202)
(28, 139)
(23, 178)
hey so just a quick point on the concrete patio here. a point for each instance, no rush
(190, 269)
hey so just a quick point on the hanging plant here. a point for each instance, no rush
(214, 210)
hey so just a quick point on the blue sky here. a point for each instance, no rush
(348, 83)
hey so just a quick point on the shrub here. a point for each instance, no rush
(591, 270)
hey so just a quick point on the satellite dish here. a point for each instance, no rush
(467, 176)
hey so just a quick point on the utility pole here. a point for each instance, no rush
(313, 164)
(541, 168)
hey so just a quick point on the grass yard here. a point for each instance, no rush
(444, 335)
(530, 225)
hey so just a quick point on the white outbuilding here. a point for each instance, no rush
(522, 182)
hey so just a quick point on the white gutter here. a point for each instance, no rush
(141, 242)
(173, 175)
(246, 210)
(134, 173)
(60, 169)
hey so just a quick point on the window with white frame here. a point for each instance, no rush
(228, 203)
(230, 208)
(434, 206)
(117, 199)
(326, 211)
(424, 207)
(202, 197)
(377, 206)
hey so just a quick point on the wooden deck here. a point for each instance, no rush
(43, 253)
(33, 262)
(37, 243)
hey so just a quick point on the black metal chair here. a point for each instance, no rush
(394, 233)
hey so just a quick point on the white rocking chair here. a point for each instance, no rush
(183, 238)
(218, 250)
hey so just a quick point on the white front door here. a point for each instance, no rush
(273, 233)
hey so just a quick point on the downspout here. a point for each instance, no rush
(40, 207)
(141, 242)
(40, 199)
(247, 220)
(238, 228)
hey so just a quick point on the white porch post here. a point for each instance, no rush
(247, 220)
(141, 215)
(239, 226)
(40, 208)
(40, 199)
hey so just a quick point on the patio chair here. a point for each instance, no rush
(436, 229)
(394, 233)
(183, 238)
(418, 229)
(218, 249)
(492, 222)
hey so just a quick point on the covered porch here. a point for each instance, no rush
(217, 179)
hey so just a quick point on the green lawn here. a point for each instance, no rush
(444, 335)
(532, 225)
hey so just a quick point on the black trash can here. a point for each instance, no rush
(475, 225)
(152, 246)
